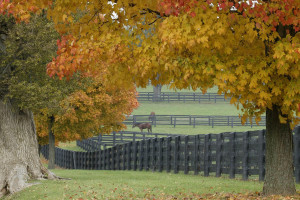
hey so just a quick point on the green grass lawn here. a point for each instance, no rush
(192, 108)
(166, 88)
(87, 184)
(70, 146)
(174, 108)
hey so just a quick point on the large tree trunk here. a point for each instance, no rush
(157, 92)
(51, 163)
(18, 149)
(279, 166)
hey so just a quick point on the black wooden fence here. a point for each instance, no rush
(183, 97)
(226, 153)
(192, 120)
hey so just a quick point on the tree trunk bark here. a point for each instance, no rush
(18, 149)
(279, 179)
(157, 92)
(51, 163)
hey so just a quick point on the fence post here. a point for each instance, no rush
(207, 144)
(153, 152)
(129, 155)
(147, 154)
(296, 153)
(168, 154)
(232, 155)
(104, 157)
(118, 165)
(176, 158)
(174, 122)
(141, 154)
(186, 155)
(123, 156)
(196, 150)
(218, 154)
(160, 154)
(194, 122)
(261, 152)
(246, 155)
(99, 159)
(135, 151)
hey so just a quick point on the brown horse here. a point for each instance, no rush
(143, 126)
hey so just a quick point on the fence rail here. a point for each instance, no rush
(192, 120)
(225, 153)
(183, 97)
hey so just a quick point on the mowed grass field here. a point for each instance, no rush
(180, 108)
(115, 185)
(131, 185)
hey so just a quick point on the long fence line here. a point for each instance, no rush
(183, 97)
(212, 154)
(192, 120)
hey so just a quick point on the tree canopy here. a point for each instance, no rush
(250, 50)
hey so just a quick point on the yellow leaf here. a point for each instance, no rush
(64, 17)
(282, 120)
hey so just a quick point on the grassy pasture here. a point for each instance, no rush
(166, 88)
(87, 184)
(194, 108)
(112, 185)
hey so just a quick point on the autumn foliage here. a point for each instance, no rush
(21, 10)
(98, 109)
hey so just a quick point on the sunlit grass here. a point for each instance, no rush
(70, 146)
(87, 184)
(166, 88)
(180, 108)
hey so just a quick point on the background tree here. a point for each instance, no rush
(98, 109)
(27, 49)
(27, 89)
(251, 52)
